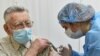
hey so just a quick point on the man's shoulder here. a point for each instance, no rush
(4, 40)
(4, 43)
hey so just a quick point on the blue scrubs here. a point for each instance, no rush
(92, 39)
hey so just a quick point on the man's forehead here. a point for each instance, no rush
(19, 16)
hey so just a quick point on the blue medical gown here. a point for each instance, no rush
(92, 39)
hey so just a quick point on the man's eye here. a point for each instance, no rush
(28, 23)
(20, 24)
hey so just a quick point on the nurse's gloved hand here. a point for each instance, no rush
(65, 51)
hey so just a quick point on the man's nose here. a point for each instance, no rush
(24, 25)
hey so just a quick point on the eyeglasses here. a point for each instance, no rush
(19, 25)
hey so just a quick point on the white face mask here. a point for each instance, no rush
(74, 35)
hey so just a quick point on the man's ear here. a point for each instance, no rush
(7, 29)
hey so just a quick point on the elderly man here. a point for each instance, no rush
(81, 20)
(18, 26)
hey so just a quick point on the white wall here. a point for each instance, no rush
(44, 13)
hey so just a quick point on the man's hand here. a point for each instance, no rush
(37, 46)
(65, 51)
(40, 44)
